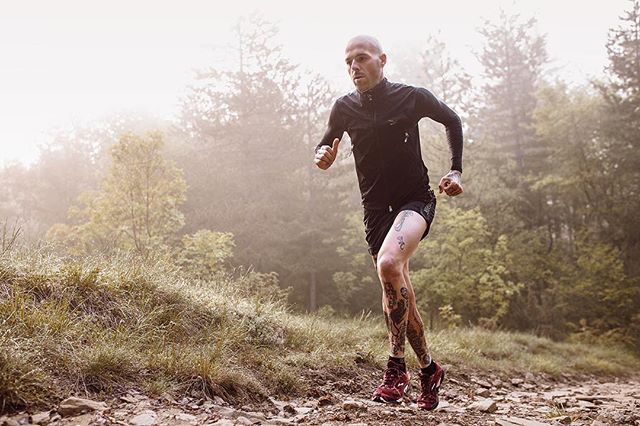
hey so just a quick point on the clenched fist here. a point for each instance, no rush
(326, 155)
(451, 183)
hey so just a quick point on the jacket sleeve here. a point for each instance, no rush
(428, 105)
(335, 127)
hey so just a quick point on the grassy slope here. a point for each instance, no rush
(101, 326)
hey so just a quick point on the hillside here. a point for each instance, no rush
(105, 329)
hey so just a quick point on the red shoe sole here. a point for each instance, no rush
(380, 398)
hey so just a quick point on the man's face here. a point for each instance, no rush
(364, 64)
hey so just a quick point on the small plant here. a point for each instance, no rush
(449, 316)
(557, 411)
(9, 237)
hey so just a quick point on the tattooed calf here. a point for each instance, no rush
(415, 335)
(390, 294)
(396, 310)
(397, 340)
(404, 293)
(398, 313)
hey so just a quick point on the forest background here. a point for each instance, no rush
(545, 239)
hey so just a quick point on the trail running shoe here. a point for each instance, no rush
(430, 384)
(394, 383)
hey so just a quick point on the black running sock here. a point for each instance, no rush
(399, 361)
(430, 369)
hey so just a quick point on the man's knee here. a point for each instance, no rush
(390, 266)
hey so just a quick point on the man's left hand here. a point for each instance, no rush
(451, 183)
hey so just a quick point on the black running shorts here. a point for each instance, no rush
(378, 222)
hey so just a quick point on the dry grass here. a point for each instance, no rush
(480, 349)
(102, 326)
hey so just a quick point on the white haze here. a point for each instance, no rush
(67, 62)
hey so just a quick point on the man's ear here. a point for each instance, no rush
(383, 59)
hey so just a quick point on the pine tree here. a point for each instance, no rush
(508, 152)
(621, 154)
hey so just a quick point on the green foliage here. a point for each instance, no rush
(620, 127)
(250, 128)
(465, 269)
(204, 253)
(623, 47)
(70, 162)
(576, 185)
(449, 317)
(136, 207)
(506, 150)
(587, 191)
(513, 56)
(358, 285)
(599, 297)
(545, 238)
(260, 285)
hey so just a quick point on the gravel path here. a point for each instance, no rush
(465, 400)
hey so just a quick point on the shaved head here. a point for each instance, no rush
(371, 43)
(365, 60)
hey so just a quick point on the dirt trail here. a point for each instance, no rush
(466, 400)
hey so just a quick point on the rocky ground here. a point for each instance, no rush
(465, 400)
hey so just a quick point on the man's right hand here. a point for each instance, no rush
(326, 155)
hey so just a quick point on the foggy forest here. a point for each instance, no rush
(545, 238)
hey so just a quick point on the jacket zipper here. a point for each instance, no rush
(382, 164)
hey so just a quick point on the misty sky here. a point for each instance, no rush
(67, 62)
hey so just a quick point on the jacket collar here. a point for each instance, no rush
(372, 95)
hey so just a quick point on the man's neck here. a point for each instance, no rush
(372, 87)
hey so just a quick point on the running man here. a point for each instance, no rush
(381, 119)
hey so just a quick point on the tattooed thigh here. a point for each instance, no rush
(404, 235)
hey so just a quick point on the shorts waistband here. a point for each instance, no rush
(394, 206)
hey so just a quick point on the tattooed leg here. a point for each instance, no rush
(387, 295)
(415, 326)
(399, 223)
(395, 308)
(399, 244)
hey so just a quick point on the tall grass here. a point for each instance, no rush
(103, 325)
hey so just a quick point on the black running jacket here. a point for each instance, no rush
(383, 126)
